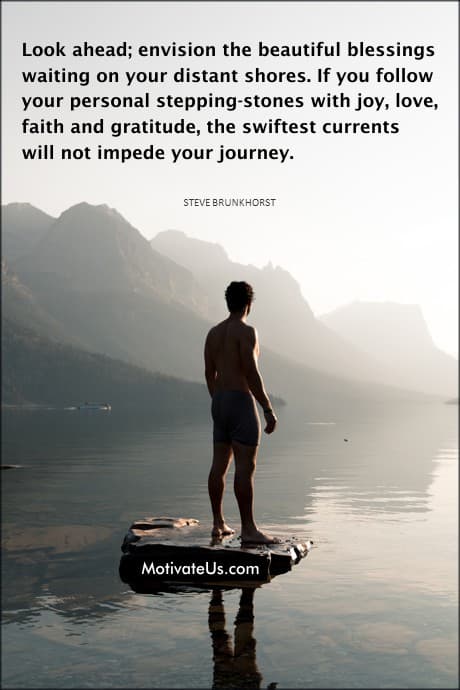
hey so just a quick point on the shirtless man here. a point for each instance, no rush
(233, 380)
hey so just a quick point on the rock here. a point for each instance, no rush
(165, 549)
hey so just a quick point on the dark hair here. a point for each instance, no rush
(239, 295)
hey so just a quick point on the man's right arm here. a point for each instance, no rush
(249, 348)
(210, 367)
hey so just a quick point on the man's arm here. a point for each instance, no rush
(249, 348)
(209, 367)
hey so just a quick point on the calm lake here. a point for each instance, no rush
(374, 605)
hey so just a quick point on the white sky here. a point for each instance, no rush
(369, 217)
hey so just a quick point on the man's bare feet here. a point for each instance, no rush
(222, 530)
(258, 537)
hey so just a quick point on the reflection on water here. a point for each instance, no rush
(373, 605)
(235, 663)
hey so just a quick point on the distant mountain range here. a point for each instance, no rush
(96, 283)
(397, 336)
(88, 284)
(93, 249)
(386, 343)
(284, 320)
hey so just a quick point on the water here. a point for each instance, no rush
(373, 605)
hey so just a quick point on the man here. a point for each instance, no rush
(233, 380)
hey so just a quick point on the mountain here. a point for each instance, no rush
(93, 283)
(392, 348)
(39, 370)
(397, 336)
(23, 226)
(21, 305)
(94, 249)
(97, 284)
(283, 317)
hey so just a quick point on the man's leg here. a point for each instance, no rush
(216, 484)
(245, 468)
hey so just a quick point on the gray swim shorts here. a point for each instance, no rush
(235, 418)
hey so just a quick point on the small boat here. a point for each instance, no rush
(95, 406)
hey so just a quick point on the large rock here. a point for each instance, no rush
(159, 550)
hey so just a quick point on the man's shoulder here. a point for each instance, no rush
(214, 330)
(248, 332)
(217, 327)
(240, 328)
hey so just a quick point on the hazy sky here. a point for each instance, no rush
(357, 217)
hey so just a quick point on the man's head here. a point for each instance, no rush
(238, 296)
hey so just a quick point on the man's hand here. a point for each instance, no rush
(271, 420)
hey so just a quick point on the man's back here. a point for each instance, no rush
(226, 346)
